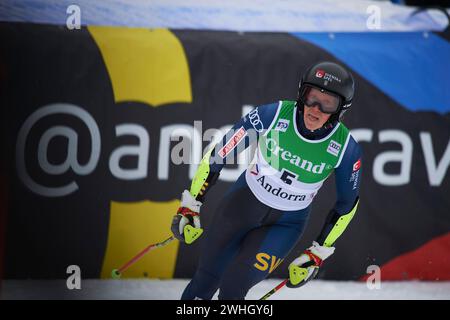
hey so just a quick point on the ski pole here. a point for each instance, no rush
(116, 273)
(271, 292)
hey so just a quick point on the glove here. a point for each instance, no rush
(306, 267)
(186, 225)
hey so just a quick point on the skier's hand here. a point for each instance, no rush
(186, 225)
(305, 267)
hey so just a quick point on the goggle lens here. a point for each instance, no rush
(326, 101)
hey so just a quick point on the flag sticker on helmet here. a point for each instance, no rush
(232, 142)
(357, 165)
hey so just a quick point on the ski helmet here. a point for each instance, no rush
(331, 78)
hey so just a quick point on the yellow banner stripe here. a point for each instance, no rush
(148, 66)
(134, 226)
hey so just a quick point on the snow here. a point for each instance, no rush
(232, 15)
(172, 289)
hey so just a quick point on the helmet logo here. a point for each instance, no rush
(326, 76)
(331, 77)
(320, 73)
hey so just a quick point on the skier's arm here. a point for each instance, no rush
(186, 224)
(348, 180)
(238, 138)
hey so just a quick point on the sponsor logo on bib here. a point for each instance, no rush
(294, 159)
(279, 192)
(282, 125)
(334, 148)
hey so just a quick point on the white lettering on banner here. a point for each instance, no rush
(374, 279)
(141, 152)
(191, 140)
(192, 143)
(189, 151)
(71, 159)
(74, 19)
(404, 157)
(362, 135)
(72, 145)
(374, 20)
(74, 280)
(436, 173)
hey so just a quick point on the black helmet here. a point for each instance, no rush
(328, 77)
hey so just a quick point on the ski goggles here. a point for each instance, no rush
(327, 102)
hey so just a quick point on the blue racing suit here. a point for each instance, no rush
(248, 239)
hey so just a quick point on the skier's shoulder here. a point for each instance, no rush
(268, 112)
(352, 152)
(263, 115)
(353, 146)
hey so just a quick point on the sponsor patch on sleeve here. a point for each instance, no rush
(232, 142)
(357, 165)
